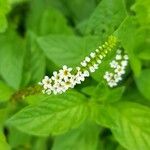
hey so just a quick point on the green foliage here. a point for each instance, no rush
(56, 49)
(11, 58)
(54, 115)
(143, 83)
(106, 18)
(128, 122)
(83, 138)
(4, 8)
(5, 92)
(37, 37)
(3, 143)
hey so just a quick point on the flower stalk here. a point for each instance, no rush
(67, 78)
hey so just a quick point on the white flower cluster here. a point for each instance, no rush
(63, 80)
(118, 65)
(67, 77)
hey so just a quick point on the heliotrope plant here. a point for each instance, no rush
(68, 77)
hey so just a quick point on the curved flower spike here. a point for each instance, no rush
(67, 77)
(118, 65)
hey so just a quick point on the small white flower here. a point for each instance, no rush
(78, 68)
(79, 77)
(84, 64)
(49, 91)
(93, 55)
(112, 83)
(120, 70)
(43, 91)
(87, 59)
(101, 56)
(106, 43)
(100, 47)
(56, 77)
(68, 84)
(118, 51)
(40, 83)
(46, 82)
(86, 73)
(59, 88)
(114, 64)
(124, 63)
(108, 76)
(118, 57)
(99, 61)
(65, 72)
(95, 66)
(105, 51)
(92, 69)
(126, 57)
(117, 78)
(97, 50)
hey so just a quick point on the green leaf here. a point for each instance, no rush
(127, 34)
(5, 92)
(4, 8)
(17, 138)
(54, 115)
(76, 9)
(106, 18)
(83, 138)
(142, 10)
(3, 144)
(11, 58)
(104, 94)
(129, 123)
(3, 23)
(143, 50)
(37, 58)
(49, 20)
(143, 83)
(69, 50)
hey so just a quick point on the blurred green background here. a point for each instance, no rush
(40, 36)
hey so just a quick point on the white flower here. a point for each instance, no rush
(118, 57)
(59, 88)
(99, 61)
(43, 91)
(118, 51)
(49, 91)
(100, 47)
(97, 50)
(101, 56)
(86, 73)
(106, 51)
(95, 66)
(87, 59)
(84, 64)
(46, 82)
(112, 83)
(93, 55)
(70, 83)
(56, 77)
(120, 70)
(117, 78)
(79, 77)
(108, 76)
(65, 72)
(124, 63)
(78, 68)
(114, 64)
(92, 69)
(126, 57)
